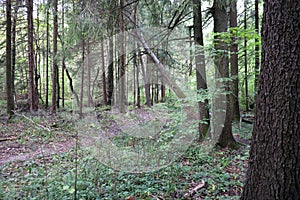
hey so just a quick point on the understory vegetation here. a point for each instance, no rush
(42, 159)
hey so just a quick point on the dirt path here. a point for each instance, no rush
(14, 152)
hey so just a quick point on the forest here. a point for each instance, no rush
(140, 99)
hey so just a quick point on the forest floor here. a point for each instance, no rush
(41, 159)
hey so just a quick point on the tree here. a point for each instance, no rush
(122, 59)
(234, 65)
(246, 56)
(32, 96)
(9, 78)
(221, 61)
(256, 44)
(55, 66)
(200, 70)
(275, 151)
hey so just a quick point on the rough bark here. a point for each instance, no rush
(234, 67)
(63, 59)
(110, 72)
(55, 66)
(257, 47)
(9, 80)
(275, 151)
(221, 61)
(200, 71)
(122, 78)
(47, 57)
(32, 96)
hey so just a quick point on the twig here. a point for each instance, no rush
(190, 193)
(38, 125)
(10, 138)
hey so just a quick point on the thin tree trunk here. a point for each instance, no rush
(122, 77)
(82, 78)
(200, 71)
(110, 72)
(146, 84)
(9, 80)
(63, 58)
(88, 74)
(246, 57)
(55, 67)
(14, 26)
(47, 57)
(257, 63)
(103, 76)
(234, 67)
(32, 97)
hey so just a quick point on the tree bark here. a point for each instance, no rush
(122, 78)
(200, 71)
(257, 63)
(246, 57)
(234, 66)
(103, 75)
(55, 67)
(221, 61)
(9, 80)
(275, 151)
(110, 72)
(32, 96)
(47, 57)
(63, 59)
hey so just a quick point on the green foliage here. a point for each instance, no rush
(53, 177)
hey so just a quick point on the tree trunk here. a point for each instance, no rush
(110, 72)
(234, 65)
(13, 51)
(32, 96)
(221, 61)
(122, 78)
(146, 84)
(246, 57)
(47, 57)
(63, 59)
(55, 67)
(9, 80)
(103, 75)
(88, 74)
(200, 71)
(275, 151)
(82, 78)
(256, 44)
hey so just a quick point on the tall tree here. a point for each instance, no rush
(9, 80)
(47, 55)
(32, 96)
(63, 58)
(200, 70)
(122, 59)
(55, 65)
(222, 71)
(275, 151)
(246, 56)
(257, 63)
(234, 67)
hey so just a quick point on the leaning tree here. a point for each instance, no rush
(274, 164)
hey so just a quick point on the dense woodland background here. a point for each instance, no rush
(61, 60)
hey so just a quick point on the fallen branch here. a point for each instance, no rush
(36, 124)
(190, 193)
(9, 138)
